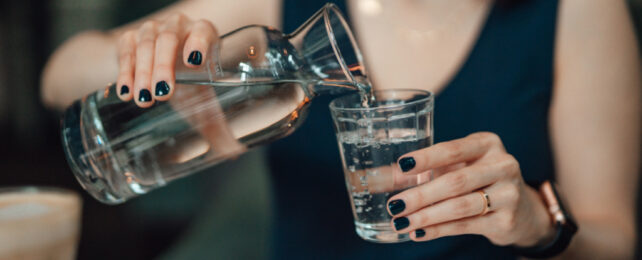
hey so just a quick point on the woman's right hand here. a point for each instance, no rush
(147, 56)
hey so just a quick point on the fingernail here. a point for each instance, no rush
(420, 233)
(401, 223)
(124, 90)
(162, 88)
(144, 95)
(396, 206)
(195, 58)
(407, 163)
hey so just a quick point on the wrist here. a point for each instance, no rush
(541, 230)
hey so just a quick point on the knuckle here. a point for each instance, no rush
(461, 227)
(462, 207)
(168, 36)
(201, 39)
(418, 220)
(149, 25)
(162, 68)
(500, 241)
(509, 163)
(512, 195)
(147, 32)
(513, 191)
(487, 138)
(142, 75)
(126, 38)
(176, 18)
(508, 223)
(457, 182)
(454, 151)
(416, 196)
(491, 137)
(145, 44)
(204, 24)
(125, 56)
(506, 168)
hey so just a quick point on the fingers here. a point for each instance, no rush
(450, 185)
(146, 43)
(167, 42)
(443, 154)
(197, 44)
(465, 206)
(148, 56)
(437, 172)
(460, 227)
(126, 59)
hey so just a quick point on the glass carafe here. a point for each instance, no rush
(254, 88)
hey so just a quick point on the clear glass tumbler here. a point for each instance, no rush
(371, 140)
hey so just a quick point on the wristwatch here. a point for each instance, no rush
(562, 220)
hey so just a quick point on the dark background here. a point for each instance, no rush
(30, 149)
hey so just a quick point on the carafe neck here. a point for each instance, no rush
(330, 51)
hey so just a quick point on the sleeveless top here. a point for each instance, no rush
(503, 87)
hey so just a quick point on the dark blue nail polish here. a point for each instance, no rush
(162, 88)
(195, 58)
(407, 163)
(419, 233)
(144, 95)
(124, 90)
(401, 223)
(396, 206)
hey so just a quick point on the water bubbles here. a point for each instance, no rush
(351, 168)
(364, 122)
(363, 180)
(363, 144)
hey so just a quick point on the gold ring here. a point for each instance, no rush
(486, 201)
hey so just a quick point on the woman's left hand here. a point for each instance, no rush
(451, 204)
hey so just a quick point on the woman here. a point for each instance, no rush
(527, 91)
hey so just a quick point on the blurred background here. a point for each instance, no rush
(192, 215)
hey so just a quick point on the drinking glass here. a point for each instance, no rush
(39, 223)
(371, 139)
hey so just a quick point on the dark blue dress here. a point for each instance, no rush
(504, 87)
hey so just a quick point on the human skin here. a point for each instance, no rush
(594, 120)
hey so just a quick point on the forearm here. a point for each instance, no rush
(604, 239)
(83, 64)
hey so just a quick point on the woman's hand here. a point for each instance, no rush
(451, 204)
(147, 56)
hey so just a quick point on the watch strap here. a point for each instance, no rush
(564, 224)
(560, 242)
